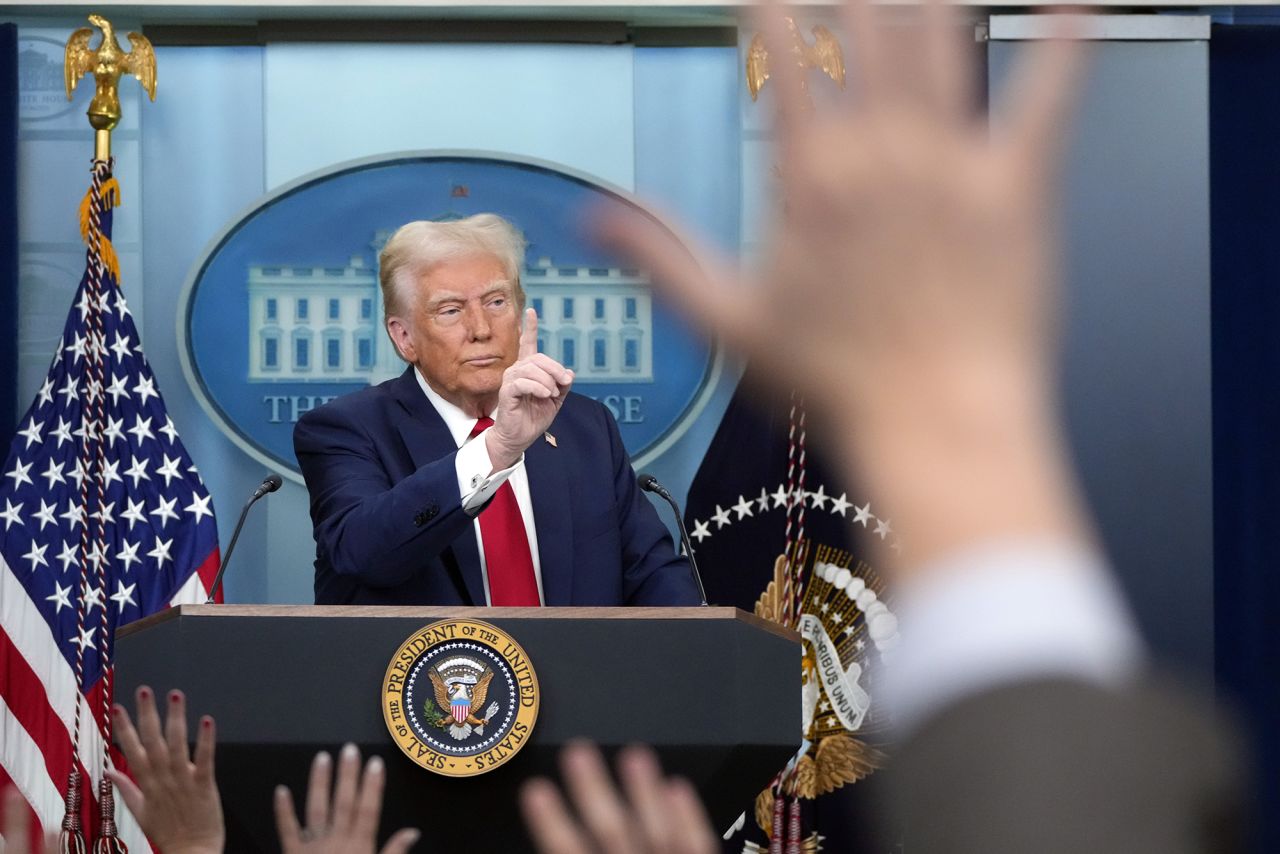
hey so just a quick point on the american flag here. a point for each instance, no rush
(96, 479)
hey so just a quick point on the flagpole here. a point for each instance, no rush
(107, 63)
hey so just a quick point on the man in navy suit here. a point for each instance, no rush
(476, 477)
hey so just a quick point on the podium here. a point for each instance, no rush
(715, 691)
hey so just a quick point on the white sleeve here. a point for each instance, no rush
(1006, 612)
(475, 483)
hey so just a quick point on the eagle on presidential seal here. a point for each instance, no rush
(461, 686)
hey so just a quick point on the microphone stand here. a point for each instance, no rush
(271, 484)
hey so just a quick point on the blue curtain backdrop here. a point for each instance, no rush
(1245, 180)
(8, 230)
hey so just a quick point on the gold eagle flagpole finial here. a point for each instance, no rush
(107, 63)
(824, 53)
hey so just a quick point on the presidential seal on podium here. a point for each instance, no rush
(460, 697)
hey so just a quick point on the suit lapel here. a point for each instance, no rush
(553, 519)
(427, 439)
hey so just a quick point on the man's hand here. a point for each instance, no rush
(350, 824)
(175, 797)
(657, 816)
(533, 390)
(911, 286)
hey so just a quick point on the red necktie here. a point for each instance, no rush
(506, 545)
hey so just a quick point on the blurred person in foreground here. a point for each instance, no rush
(911, 295)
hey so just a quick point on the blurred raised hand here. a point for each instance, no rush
(910, 277)
(650, 815)
(347, 823)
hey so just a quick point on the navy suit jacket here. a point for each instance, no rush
(390, 528)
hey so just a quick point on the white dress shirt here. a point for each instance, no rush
(477, 485)
(1001, 613)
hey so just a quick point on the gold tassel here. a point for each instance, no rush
(111, 193)
(108, 842)
(110, 197)
(108, 254)
(71, 839)
(86, 211)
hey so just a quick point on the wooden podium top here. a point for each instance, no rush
(428, 612)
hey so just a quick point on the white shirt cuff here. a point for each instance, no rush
(1002, 613)
(475, 484)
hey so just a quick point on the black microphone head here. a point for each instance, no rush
(649, 483)
(271, 482)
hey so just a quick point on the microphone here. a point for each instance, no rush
(270, 483)
(649, 483)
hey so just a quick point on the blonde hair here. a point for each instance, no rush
(421, 245)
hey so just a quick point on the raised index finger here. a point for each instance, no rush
(529, 335)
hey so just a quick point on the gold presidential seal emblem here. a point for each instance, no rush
(460, 697)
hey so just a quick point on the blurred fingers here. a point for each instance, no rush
(317, 807)
(595, 798)
(790, 101)
(949, 73)
(344, 792)
(696, 284)
(861, 30)
(642, 781)
(287, 820)
(691, 826)
(402, 840)
(369, 800)
(1042, 95)
(545, 814)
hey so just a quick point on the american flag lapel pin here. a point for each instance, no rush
(551, 440)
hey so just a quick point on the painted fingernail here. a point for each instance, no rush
(175, 696)
(322, 758)
(375, 765)
(350, 752)
(117, 709)
(144, 693)
(206, 722)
